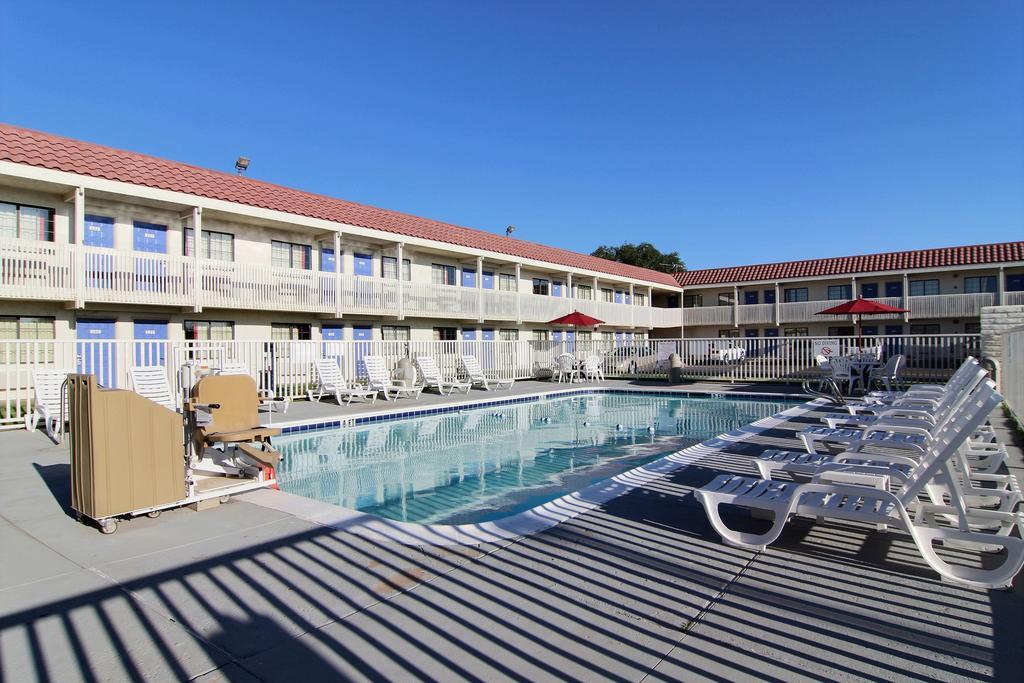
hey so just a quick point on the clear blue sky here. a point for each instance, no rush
(733, 132)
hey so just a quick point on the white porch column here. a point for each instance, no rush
(632, 306)
(197, 263)
(337, 275)
(778, 307)
(519, 294)
(78, 197)
(1000, 286)
(568, 293)
(480, 289)
(682, 314)
(735, 306)
(906, 298)
(400, 250)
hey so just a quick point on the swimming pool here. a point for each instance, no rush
(486, 463)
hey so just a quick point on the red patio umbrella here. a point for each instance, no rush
(861, 306)
(576, 319)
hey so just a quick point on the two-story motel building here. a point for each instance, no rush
(100, 243)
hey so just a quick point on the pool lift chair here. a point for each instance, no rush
(226, 436)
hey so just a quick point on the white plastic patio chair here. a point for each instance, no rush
(823, 498)
(841, 368)
(48, 399)
(887, 374)
(381, 381)
(592, 368)
(565, 367)
(150, 381)
(331, 380)
(432, 377)
(475, 374)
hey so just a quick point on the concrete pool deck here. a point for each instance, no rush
(637, 588)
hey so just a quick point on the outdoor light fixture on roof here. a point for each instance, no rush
(509, 230)
(241, 165)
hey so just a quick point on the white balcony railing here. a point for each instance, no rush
(708, 315)
(949, 305)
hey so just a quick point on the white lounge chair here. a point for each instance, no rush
(432, 377)
(381, 381)
(48, 401)
(330, 380)
(471, 366)
(846, 501)
(268, 399)
(150, 381)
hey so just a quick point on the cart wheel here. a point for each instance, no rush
(108, 526)
(224, 499)
(154, 514)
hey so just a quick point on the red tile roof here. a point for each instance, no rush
(850, 265)
(24, 146)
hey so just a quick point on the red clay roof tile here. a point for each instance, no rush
(978, 254)
(24, 146)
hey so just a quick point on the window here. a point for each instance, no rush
(750, 298)
(693, 300)
(639, 299)
(726, 334)
(289, 331)
(508, 335)
(607, 335)
(26, 328)
(585, 292)
(395, 333)
(584, 335)
(978, 285)
(540, 335)
(507, 283)
(217, 246)
(925, 328)
(441, 274)
(793, 295)
(869, 290)
(894, 289)
(795, 331)
(769, 296)
(840, 331)
(209, 330)
(607, 295)
(540, 286)
(445, 334)
(289, 255)
(26, 222)
(389, 268)
(924, 287)
(726, 299)
(972, 328)
(840, 292)
(640, 336)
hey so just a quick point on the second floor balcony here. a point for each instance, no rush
(75, 274)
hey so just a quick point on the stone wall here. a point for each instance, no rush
(994, 321)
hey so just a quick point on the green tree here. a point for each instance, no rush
(645, 255)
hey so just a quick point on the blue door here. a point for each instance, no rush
(618, 296)
(469, 335)
(894, 289)
(332, 336)
(362, 335)
(327, 260)
(468, 277)
(618, 339)
(96, 350)
(1015, 282)
(629, 298)
(488, 280)
(362, 264)
(869, 290)
(99, 268)
(150, 273)
(629, 337)
(150, 337)
(750, 298)
(570, 341)
(556, 335)
(556, 288)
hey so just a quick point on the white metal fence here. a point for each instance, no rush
(1011, 372)
(288, 368)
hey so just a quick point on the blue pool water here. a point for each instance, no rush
(487, 463)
